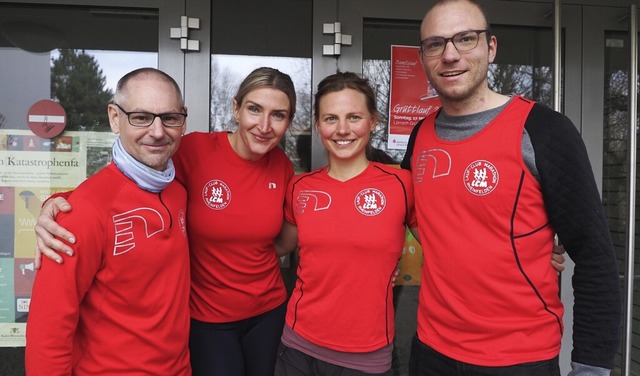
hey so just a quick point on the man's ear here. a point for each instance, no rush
(114, 118)
(493, 48)
(184, 126)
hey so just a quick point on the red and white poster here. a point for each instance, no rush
(411, 96)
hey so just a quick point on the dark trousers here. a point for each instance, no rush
(240, 348)
(292, 362)
(425, 361)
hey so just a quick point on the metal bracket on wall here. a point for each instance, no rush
(339, 39)
(182, 33)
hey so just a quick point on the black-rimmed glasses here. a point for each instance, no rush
(463, 41)
(145, 119)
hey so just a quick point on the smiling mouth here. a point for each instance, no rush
(343, 142)
(157, 147)
(262, 138)
(452, 74)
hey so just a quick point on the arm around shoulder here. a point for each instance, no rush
(49, 233)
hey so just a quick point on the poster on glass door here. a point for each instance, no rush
(411, 96)
(32, 169)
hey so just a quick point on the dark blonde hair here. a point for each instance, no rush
(345, 80)
(270, 78)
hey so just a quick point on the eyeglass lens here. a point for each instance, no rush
(463, 41)
(143, 119)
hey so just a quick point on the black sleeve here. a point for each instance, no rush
(406, 161)
(576, 213)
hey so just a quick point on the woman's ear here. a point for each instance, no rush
(236, 111)
(374, 123)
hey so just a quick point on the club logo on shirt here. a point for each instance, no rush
(370, 202)
(216, 194)
(481, 177)
(317, 200)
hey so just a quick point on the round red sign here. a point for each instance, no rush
(46, 118)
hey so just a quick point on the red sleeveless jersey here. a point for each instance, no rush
(489, 295)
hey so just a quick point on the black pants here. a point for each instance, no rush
(240, 348)
(425, 361)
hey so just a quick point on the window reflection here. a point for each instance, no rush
(33, 67)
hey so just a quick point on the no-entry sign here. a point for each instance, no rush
(46, 118)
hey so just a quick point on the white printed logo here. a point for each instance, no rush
(318, 200)
(370, 201)
(433, 163)
(216, 194)
(481, 177)
(182, 220)
(124, 223)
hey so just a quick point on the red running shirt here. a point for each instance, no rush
(351, 235)
(489, 295)
(234, 214)
(119, 306)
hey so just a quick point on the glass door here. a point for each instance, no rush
(60, 64)
(607, 127)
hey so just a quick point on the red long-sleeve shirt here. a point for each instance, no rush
(120, 305)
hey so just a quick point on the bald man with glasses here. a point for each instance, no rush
(120, 306)
(516, 174)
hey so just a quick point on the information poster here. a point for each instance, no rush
(411, 96)
(31, 170)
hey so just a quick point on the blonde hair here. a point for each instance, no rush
(271, 78)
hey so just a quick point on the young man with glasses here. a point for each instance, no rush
(120, 306)
(516, 174)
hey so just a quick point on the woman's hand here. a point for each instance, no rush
(49, 233)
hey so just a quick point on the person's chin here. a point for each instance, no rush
(259, 150)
